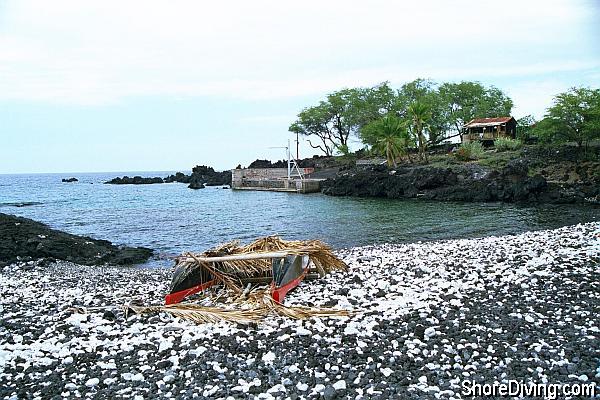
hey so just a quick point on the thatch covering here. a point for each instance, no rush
(243, 295)
(233, 274)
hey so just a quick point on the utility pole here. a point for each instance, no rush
(297, 147)
(291, 163)
(289, 156)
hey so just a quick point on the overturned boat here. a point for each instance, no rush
(279, 264)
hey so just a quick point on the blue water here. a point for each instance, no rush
(171, 218)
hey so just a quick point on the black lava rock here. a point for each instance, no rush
(26, 238)
(136, 180)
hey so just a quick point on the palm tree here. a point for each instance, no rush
(419, 116)
(389, 137)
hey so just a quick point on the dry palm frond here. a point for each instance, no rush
(261, 299)
(226, 279)
(260, 302)
(319, 254)
(306, 312)
(249, 265)
(200, 314)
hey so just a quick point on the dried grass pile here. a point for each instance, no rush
(242, 294)
(234, 274)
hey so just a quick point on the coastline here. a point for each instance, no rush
(172, 219)
(23, 239)
(429, 316)
(534, 176)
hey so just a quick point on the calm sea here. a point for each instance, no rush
(171, 218)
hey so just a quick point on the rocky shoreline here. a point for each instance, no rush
(428, 317)
(468, 183)
(535, 174)
(23, 239)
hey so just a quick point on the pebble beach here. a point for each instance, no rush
(427, 316)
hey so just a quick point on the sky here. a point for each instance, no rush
(101, 86)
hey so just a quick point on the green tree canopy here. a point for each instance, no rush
(425, 92)
(387, 136)
(574, 116)
(419, 115)
(375, 103)
(344, 113)
(315, 121)
(331, 121)
(525, 126)
(468, 100)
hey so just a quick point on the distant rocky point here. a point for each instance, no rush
(200, 177)
(136, 180)
(178, 177)
(207, 176)
(69, 180)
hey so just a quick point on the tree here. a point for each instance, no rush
(419, 116)
(375, 103)
(387, 136)
(425, 92)
(439, 112)
(343, 108)
(524, 127)
(343, 150)
(417, 90)
(313, 121)
(574, 116)
(468, 100)
(332, 120)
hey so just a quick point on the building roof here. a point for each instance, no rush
(477, 122)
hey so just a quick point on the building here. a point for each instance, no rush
(489, 129)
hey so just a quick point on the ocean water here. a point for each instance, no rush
(172, 219)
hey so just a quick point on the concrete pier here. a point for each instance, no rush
(274, 179)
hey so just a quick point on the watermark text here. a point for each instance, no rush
(520, 389)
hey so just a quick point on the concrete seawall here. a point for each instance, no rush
(274, 179)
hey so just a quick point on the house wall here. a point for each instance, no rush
(508, 129)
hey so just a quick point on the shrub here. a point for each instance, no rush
(469, 151)
(504, 144)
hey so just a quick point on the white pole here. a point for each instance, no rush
(242, 257)
(289, 163)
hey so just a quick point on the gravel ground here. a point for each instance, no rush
(430, 316)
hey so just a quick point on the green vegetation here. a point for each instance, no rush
(469, 151)
(419, 116)
(388, 136)
(395, 123)
(332, 120)
(573, 117)
(468, 100)
(525, 126)
(504, 144)
(428, 112)
(491, 159)
(498, 160)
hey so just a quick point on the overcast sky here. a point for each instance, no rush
(144, 85)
